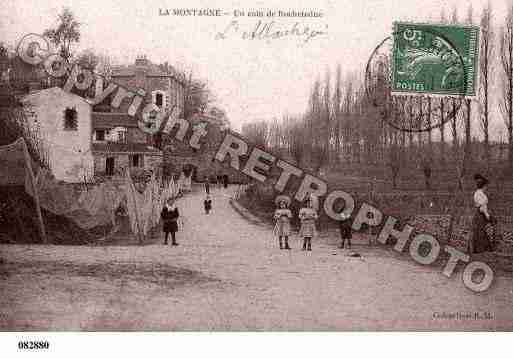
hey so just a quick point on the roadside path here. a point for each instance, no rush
(227, 274)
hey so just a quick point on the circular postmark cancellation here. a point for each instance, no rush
(419, 77)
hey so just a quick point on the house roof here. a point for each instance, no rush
(117, 147)
(52, 92)
(150, 69)
(106, 120)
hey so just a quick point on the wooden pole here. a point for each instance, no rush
(28, 161)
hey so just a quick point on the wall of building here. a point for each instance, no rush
(152, 161)
(135, 135)
(69, 151)
(173, 89)
(122, 161)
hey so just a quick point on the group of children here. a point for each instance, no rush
(282, 215)
(307, 216)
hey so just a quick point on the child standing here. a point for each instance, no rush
(208, 204)
(282, 215)
(207, 185)
(169, 217)
(345, 229)
(307, 216)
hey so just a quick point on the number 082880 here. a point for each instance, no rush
(33, 345)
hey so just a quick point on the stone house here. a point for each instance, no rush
(180, 156)
(60, 124)
(117, 140)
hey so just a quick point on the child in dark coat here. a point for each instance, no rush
(169, 217)
(208, 204)
(345, 229)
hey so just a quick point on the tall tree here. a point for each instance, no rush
(65, 34)
(506, 58)
(326, 117)
(337, 111)
(486, 64)
(454, 111)
(443, 106)
(468, 108)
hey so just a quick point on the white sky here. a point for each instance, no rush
(252, 79)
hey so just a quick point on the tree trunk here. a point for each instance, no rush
(442, 132)
(467, 155)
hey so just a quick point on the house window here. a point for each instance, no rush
(109, 166)
(136, 160)
(122, 136)
(100, 135)
(159, 99)
(70, 119)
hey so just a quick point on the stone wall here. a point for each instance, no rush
(459, 232)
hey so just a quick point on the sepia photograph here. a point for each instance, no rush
(257, 166)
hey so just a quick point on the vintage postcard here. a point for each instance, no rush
(256, 166)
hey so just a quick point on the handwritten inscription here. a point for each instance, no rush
(270, 30)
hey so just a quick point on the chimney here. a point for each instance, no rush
(141, 67)
(141, 61)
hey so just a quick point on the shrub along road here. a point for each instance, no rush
(227, 274)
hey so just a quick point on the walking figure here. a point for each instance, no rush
(169, 217)
(207, 185)
(307, 216)
(282, 215)
(345, 229)
(480, 241)
(208, 204)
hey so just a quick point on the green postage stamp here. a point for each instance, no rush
(435, 59)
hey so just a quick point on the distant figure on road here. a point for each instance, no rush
(225, 181)
(208, 204)
(169, 217)
(480, 241)
(345, 229)
(307, 215)
(207, 185)
(282, 215)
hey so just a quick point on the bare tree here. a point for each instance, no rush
(326, 116)
(468, 108)
(337, 112)
(65, 34)
(486, 54)
(506, 57)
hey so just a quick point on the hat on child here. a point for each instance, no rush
(282, 198)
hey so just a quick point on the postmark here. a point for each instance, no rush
(435, 59)
(419, 77)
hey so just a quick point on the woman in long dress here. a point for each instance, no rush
(282, 215)
(307, 216)
(480, 240)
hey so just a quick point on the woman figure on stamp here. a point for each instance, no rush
(480, 241)
(307, 216)
(282, 215)
(169, 217)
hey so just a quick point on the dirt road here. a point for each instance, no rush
(227, 274)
